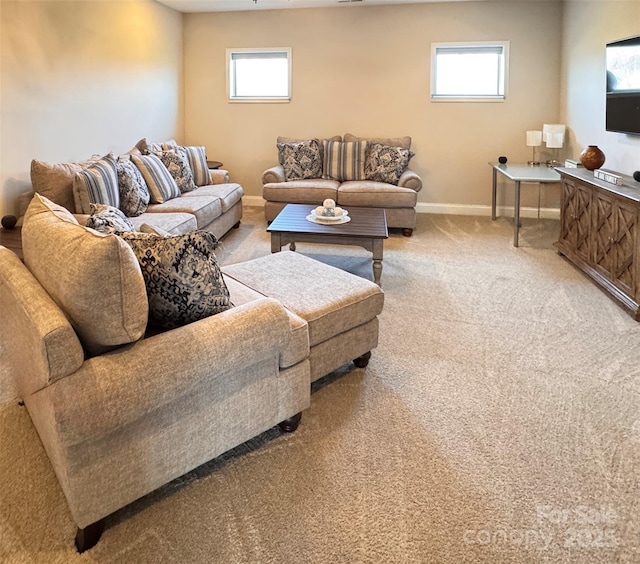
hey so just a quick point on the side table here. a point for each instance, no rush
(213, 165)
(12, 239)
(519, 173)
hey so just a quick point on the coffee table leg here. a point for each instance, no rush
(276, 243)
(292, 246)
(377, 260)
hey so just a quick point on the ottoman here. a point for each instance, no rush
(339, 308)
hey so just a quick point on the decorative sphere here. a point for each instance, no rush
(9, 221)
(502, 160)
(329, 203)
(592, 157)
(636, 175)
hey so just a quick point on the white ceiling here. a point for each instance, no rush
(239, 5)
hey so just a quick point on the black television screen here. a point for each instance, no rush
(623, 86)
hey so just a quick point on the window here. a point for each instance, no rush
(259, 75)
(469, 71)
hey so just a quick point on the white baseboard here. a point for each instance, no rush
(453, 209)
(502, 211)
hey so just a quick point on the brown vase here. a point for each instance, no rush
(592, 157)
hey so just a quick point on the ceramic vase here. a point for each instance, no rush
(592, 157)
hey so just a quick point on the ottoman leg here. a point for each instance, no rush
(363, 360)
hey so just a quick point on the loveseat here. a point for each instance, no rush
(123, 406)
(206, 200)
(352, 171)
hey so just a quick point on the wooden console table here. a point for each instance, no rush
(599, 233)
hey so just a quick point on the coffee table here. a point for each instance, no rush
(367, 229)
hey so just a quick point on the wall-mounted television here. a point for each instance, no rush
(623, 86)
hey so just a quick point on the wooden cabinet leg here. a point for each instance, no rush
(291, 424)
(362, 361)
(89, 536)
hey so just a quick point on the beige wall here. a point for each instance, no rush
(588, 26)
(78, 78)
(365, 70)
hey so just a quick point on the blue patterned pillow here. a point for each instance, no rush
(108, 219)
(385, 163)
(344, 161)
(178, 167)
(181, 273)
(300, 160)
(198, 162)
(162, 186)
(134, 194)
(98, 184)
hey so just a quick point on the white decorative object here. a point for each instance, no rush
(534, 139)
(324, 220)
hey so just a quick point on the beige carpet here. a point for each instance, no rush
(498, 421)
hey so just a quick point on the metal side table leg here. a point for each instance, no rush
(516, 214)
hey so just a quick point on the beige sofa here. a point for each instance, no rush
(215, 208)
(121, 411)
(399, 200)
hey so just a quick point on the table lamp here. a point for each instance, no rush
(534, 139)
(553, 134)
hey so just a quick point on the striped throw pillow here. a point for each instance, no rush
(97, 184)
(162, 186)
(198, 162)
(344, 161)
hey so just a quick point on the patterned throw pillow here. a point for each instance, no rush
(178, 167)
(108, 219)
(385, 163)
(198, 162)
(98, 184)
(344, 161)
(162, 186)
(183, 280)
(134, 194)
(300, 160)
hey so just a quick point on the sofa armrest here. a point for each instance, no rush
(117, 388)
(219, 176)
(273, 174)
(410, 179)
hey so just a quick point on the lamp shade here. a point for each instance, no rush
(553, 134)
(534, 138)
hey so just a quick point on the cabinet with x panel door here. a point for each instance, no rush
(599, 233)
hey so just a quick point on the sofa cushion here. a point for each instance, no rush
(301, 191)
(229, 194)
(181, 273)
(281, 139)
(330, 300)
(178, 167)
(203, 208)
(300, 160)
(55, 181)
(175, 223)
(147, 147)
(344, 161)
(97, 184)
(93, 277)
(162, 186)
(404, 142)
(108, 219)
(385, 163)
(375, 195)
(198, 162)
(134, 194)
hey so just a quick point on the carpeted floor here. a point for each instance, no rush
(498, 421)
